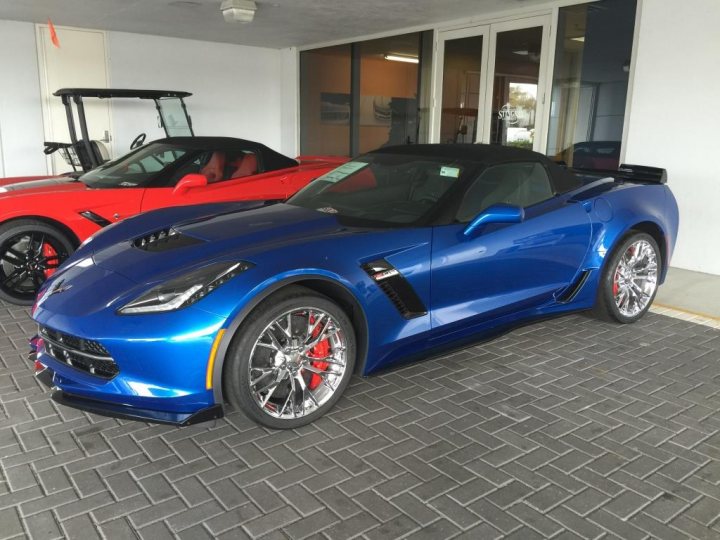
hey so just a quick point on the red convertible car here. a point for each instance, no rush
(43, 220)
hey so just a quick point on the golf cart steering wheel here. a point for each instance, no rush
(138, 141)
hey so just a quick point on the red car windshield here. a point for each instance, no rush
(141, 167)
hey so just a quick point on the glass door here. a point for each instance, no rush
(490, 84)
(516, 90)
(459, 85)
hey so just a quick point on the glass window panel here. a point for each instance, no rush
(461, 89)
(325, 105)
(590, 81)
(515, 87)
(388, 91)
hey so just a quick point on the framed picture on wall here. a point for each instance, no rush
(334, 108)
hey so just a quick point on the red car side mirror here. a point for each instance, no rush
(190, 181)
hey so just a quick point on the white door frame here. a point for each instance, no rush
(487, 75)
(437, 79)
(41, 34)
(543, 21)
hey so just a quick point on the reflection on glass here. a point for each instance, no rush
(388, 91)
(590, 81)
(325, 101)
(461, 89)
(515, 87)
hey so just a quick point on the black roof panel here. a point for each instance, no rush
(271, 160)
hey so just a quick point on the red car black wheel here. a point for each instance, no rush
(30, 252)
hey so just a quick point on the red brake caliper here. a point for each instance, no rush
(49, 254)
(321, 350)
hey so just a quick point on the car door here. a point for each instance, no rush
(507, 267)
(228, 180)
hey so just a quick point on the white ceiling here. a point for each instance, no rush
(277, 24)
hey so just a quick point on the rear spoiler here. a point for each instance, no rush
(630, 173)
(641, 173)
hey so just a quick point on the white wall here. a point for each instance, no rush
(674, 118)
(236, 89)
(21, 123)
(289, 120)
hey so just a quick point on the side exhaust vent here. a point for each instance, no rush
(569, 294)
(396, 288)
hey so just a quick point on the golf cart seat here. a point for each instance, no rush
(100, 154)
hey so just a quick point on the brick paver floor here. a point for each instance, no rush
(569, 428)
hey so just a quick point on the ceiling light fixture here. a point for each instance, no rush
(402, 58)
(238, 10)
(581, 39)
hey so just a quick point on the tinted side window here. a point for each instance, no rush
(519, 184)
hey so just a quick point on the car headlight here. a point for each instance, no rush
(185, 290)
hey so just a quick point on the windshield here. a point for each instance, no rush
(389, 189)
(142, 166)
(174, 117)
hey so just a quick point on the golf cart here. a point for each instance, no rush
(84, 154)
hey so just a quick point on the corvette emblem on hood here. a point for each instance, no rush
(56, 288)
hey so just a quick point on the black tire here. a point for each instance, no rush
(20, 241)
(236, 373)
(606, 307)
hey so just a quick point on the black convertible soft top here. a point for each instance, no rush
(489, 154)
(483, 153)
(269, 158)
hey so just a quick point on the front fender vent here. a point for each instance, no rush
(164, 240)
(396, 288)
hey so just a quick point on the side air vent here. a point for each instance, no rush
(396, 288)
(95, 218)
(164, 240)
(569, 294)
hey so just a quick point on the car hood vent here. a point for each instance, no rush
(396, 288)
(164, 240)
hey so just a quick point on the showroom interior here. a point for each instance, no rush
(562, 427)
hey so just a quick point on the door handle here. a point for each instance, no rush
(107, 138)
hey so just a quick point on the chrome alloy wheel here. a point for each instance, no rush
(635, 278)
(297, 363)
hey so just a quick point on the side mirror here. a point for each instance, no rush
(497, 213)
(190, 181)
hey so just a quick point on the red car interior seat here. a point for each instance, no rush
(213, 169)
(245, 166)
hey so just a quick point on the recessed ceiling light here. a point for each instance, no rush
(402, 58)
(238, 10)
(522, 52)
(184, 3)
(581, 39)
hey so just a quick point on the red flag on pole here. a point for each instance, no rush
(53, 34)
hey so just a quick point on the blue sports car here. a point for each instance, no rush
(396, 255)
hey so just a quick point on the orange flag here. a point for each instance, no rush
(53, 34)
